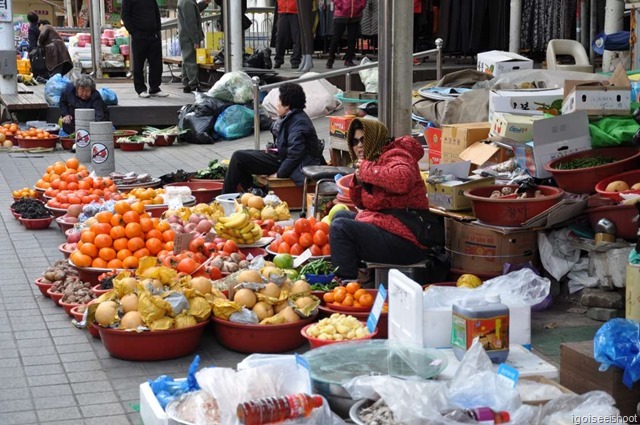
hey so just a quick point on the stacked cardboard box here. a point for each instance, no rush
(338, 143)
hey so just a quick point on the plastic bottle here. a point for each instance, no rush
(277, 409)
(486, 318)
(479, 415)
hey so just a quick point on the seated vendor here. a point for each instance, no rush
(296, 146)
(81, 94)
(387, 180)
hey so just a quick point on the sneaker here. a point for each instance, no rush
(186, 90)
(330, 64)
(349, 63)
(144, 94)
(159, 93)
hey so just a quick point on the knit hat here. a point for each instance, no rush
(376, 136)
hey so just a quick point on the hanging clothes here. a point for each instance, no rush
(544, 20)
(369, 23)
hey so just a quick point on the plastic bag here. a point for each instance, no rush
(596, 405)
(557, 253)
(199, 119)
(234, 123)
(166, 388)
(233, 87)
(108, 96)
(54, 88)
(617, 343)
(369, 77)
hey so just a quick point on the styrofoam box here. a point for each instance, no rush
(150, 410)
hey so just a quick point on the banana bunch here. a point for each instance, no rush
(239, 228)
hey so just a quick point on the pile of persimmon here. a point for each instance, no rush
(9, 129)
(306, 233)
(53, 172)
(199, 251)
(34, 133)
(350, 295)
(147, 196)
(120, 239)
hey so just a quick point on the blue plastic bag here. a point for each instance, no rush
(54, 88)
(166, 388)
(234, 122)
(617, 343)
(109, 96)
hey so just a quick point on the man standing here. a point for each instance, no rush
(288, 33)
(142, 19)
(190, 36)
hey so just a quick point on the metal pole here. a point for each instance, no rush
(401, 67)
(613, 14)
(9, 81)
(96, 48)
(103, 11)
(235, 35)
(226, 27)
(584, 24)
(69, 13)
(592, 30)
(256, 111)
(385, 15)
(439, 43)
(347, 81)
(515, 20)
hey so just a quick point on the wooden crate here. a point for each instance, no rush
(287, 191)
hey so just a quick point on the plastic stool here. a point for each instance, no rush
(321, 174)
(416, 272)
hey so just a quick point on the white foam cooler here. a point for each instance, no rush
(412, 322)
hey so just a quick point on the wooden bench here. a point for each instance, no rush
(24, 100)
(176, 62)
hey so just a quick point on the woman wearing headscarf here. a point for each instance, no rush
(387, 180)
(56, 54)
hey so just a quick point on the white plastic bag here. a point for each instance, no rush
(557, 254)
(320, 96)
(233, 87)
(369, 77)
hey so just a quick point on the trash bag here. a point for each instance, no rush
(235, 122)
(54, 88)
(108, 96)
(235, 87)
(261, 59)
(199, 119)
(616, 344)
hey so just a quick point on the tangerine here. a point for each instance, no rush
(130, 262)
(107, 254)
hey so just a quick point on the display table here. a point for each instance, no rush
(527, 363)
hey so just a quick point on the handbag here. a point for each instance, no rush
(38, 63)
(427, 227)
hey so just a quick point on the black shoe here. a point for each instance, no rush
(330, 64)
(186, 90)
(277, 65)
(349, 63)
(295, 65)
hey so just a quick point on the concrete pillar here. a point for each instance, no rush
(395, 35)
(233, 35)
(515, 20)
(96, 49)
(592, 30)
(8, 81)
(613, 14)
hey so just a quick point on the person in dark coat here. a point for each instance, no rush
(347, 14)
(34, 31)
(190, 37)
(296, 146)
(142, 19)
(288, 33)
(56, 54)
(81, 94)
(387, 177)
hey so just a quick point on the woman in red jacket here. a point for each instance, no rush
(387, 178)
(347, 14)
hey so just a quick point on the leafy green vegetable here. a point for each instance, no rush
(586, 162)
(320, 266)
(169, 131)
(325, 287)
(215, 170)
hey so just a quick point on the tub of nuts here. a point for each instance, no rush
(508, 205)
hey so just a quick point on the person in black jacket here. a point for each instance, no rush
(81, 94)
(296, 146)
(142, 19)
(34, 31)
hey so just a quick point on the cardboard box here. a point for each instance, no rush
(497, 62)
(201, 55)
(338, 126)
(485, 153)
(339, 151)
(518, 128)
(526, 102)
(478, 249)
(553, 138)
(611, 97)
(579, 372)
(214, 40)
(433, 136)
(456, 138)
(450, 195)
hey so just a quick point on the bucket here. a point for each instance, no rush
(227, 201)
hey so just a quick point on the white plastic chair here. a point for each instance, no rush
(571, 48)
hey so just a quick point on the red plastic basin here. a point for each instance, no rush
(584, 180)
(203, 191)
(43, 286)
(510, 211)
(55, 296)
(36, 223)
(315, 342)
(260, 338)
(343, 184)
(152, 345)
(49, 143)
(383, 321)
(621, 215)
(630, 178)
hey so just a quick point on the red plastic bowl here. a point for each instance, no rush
(36, 223)
(315, 342)
(99, 291)
(122, 133)
(621, 215)
(94, 330)
(65, 250)
(510, 211)
(260, 338)
(57, 212)
(76, 314)
(253, 251)
(68, 306)
(91, 274)
(204, 192)
(49, 143)
(152, 345)
(55, 296)
(131, 147)
(156, 210)
(630, 178)
(584, 180)
(63, 224)
(383, 322)
(344, 183)
(43, 286)
(15, 214)
(67, 143)
(162, 140)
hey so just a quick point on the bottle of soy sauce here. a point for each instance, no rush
(271, 410)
